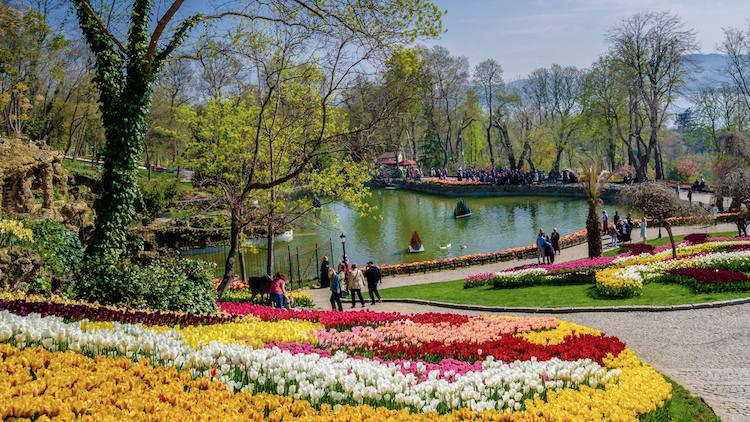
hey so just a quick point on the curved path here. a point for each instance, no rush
(705, 349)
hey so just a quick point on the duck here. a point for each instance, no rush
(463, 246)
(442, 248)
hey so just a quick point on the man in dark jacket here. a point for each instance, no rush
(324, 267)
(373, 276)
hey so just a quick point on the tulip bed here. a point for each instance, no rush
(477, 259)
(703, 264)
(72, 360)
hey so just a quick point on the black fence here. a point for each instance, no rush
(297, 265)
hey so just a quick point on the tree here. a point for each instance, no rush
(450, 76)
(31, 57)
(289, 129)
(554, 93)
(488, 77)
(736, 49)
(653, 48)
(735, 185)
(593, 180)
(126, 71)
(657, 202)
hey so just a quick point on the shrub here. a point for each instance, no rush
(58, 246)
(173, 284)
(156, 195)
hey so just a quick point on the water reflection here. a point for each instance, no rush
(497, 223)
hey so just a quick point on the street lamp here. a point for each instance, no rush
(343, 245)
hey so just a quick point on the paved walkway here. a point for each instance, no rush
(706, 350)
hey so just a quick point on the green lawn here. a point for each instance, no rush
(550, 296)
(553, 296)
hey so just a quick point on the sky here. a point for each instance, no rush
(523, 35)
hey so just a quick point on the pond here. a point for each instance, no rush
(497, 223)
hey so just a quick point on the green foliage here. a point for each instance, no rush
(60, 247)
(622, 292)
(170, 285)
(157, 195)
(40, 284)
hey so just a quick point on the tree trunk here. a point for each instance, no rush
(594, 230)
(489, 145)
(668, 226)
(508, 145)
(234, 240)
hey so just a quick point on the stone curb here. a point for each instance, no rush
(477, 308)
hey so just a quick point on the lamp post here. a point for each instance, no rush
(343, 245)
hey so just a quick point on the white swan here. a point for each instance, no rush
(442, 248)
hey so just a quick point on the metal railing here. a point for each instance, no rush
(297, 265)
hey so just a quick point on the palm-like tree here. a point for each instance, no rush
(592, 181)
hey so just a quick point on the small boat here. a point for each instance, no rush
(287, 236)
(416, 243)
(462, 210)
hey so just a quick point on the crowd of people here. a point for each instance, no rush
(349, 279)
(506, 176)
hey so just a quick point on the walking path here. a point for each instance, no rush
(705, 349)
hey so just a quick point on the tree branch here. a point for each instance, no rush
(87, 7)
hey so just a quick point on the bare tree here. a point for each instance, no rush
(659, 203)
(736, 50)
(652, 49)
(555, 93)
(488, 77)
(450, 76)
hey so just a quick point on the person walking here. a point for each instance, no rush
(555, 238)
(613, 232)
(374, 277)
(325, 267)
(690, 195)
(276, 291)
(605, 222)
(540, 241)
(354, 283)
(714, 214)
(335, 290)
(549, 252)
(741, 225)
(643, 229)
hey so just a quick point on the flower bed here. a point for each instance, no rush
(622, 276)
(478, 259)
(292, 366)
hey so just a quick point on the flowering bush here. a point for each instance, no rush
(481, 279)
(696, 238)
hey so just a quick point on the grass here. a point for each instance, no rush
(686, 408)
(550, 296)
